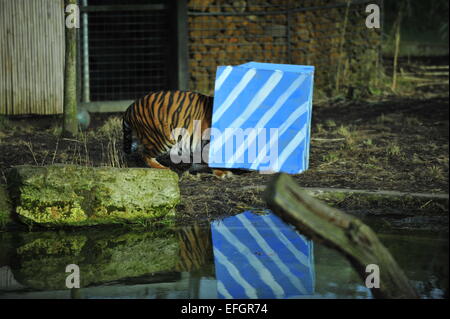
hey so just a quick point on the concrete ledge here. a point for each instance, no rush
(106, 106)
(317, 191)
(68, 195)
(388, 201)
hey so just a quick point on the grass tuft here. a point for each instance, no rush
(112, 132)
(393, 150)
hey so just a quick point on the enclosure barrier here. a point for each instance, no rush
(129, 49)
(31, 57)
(331, 35)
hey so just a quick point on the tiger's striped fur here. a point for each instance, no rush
(154, 117)
(195, 248)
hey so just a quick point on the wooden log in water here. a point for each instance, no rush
(340, 231)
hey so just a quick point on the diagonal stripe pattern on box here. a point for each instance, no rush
(262, 117)
(259, 256)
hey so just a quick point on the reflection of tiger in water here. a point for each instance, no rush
(195, 248)
(154, 117)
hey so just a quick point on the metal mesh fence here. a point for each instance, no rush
(124, 49)
(331, 35)
(125, 46)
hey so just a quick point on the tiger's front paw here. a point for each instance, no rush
(152, 162)
(222, 174)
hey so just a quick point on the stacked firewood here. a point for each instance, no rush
(333, 39)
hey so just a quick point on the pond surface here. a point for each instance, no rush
(250, 255)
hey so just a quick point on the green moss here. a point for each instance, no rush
(334, 197)
(5, 209)
(43, 213)
(62, 195)
(102, 255)
(49, 245)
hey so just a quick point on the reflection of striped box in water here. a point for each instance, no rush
(266, 109)
(261, 257)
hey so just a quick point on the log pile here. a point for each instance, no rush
(229, 32)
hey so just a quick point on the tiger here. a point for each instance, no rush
(196, 249)
(154, 117)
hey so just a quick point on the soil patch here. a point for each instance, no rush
(395, 143)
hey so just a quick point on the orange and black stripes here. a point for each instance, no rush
(195, 248)
(156, 115)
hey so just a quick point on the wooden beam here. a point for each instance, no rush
(337, 230)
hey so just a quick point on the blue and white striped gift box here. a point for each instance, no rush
(261, 257)
(262, 117)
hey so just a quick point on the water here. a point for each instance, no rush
(245, 256)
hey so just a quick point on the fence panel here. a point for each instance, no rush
(124, 49)
(31, 57)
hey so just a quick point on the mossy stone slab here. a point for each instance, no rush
(102, 255)
(69, 195)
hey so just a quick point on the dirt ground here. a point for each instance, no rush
(388, 142)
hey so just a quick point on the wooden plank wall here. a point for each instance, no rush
(31, 56)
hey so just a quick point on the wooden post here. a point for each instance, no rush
(86, 94)
(337, 230)
(398, 27)
(178, 65)
(341, 47)
(70, 125)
